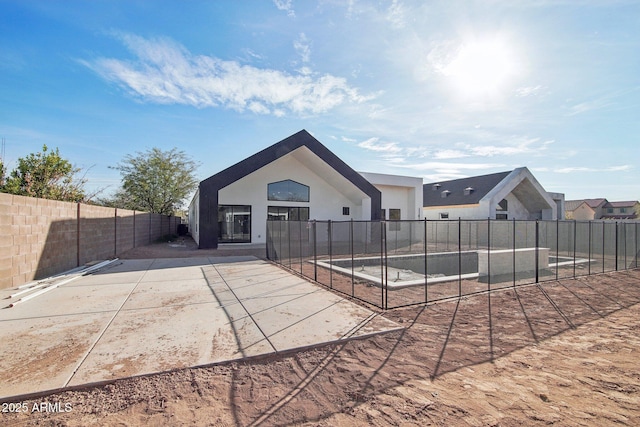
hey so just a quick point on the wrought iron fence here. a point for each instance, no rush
(392, 264)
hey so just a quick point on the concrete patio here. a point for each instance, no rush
(137, 317)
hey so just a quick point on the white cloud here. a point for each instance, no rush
(285, 5)
(584, 107)
(167, 73)
(528, 91)
(374, 144)
(303, 47)
(449, 154)
(445, 167)
(396, 14)
(620, 168)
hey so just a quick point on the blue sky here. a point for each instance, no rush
(437, 89)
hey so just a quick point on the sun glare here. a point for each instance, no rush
(481, 68)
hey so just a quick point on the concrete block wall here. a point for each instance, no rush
(40, 238)
(97, 233)
(142, 229)
(125, 230)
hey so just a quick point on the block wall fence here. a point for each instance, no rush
(40, 238)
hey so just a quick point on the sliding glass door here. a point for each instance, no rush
(234, 224)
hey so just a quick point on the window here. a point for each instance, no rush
(287, 191)
(234, 224)
(623, 210)
(503, 205)
(444, 215)
(345, 210)
(502, 216)
(394, 215)
(610, 210)
(468, 191)
(445, 193)
(383, 214)
(287, 213)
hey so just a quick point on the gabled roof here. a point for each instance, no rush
(624, 204)
(479, 187)
(596, 203)
(572, 205)
(281, 149)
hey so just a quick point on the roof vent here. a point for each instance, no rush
(468, 191)
(436, 187)
(445, 193)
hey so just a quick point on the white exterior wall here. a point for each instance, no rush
(476, 211)
(398, 192)
(325, 201)
(194, 214)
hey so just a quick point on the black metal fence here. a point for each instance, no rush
(391, 264)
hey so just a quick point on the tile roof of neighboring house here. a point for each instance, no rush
(625, 204)
(595, 203)
(480, 186)
(572, 205)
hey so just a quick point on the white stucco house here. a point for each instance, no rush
(297, 178)
(515, 194)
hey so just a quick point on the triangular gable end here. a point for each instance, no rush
(210, 187)
(526, 188)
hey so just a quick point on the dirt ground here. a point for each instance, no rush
(561, 353)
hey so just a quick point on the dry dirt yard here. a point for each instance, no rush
(563, 353)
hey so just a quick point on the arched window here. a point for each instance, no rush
(287, 191)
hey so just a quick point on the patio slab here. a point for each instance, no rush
(137, 317)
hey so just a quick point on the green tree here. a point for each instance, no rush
(2, 173)
(155, 181)
(46, 175)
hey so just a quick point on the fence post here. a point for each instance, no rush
(115, 232)
(575, 237)
(330, 240)
(315, 251)
(353, 289)
(78, 235)
(589, 263)
(459, 257)
(134, 228)
(289, 240)
(488, 254)
(603, 244)
(513, 256)
(557, 246)
(616, 251)
(385, 290)
(537, 251)
(300, 240)
(426, 294)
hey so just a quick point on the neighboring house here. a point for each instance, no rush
(621, 210)
(590, 209)
(297, 178)
(579, 210)
(513, 194)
